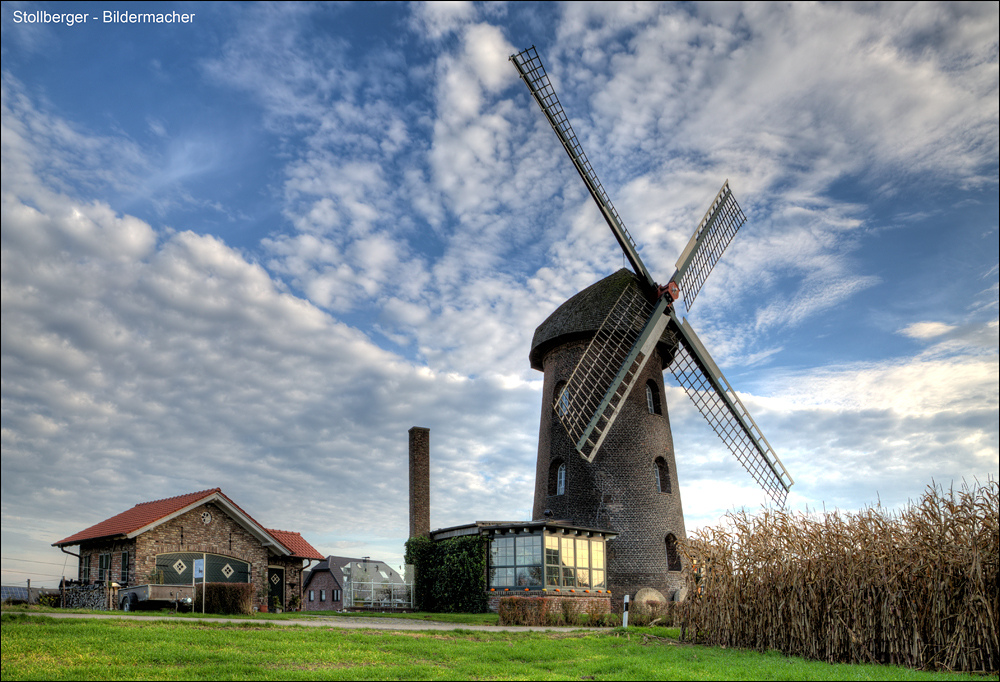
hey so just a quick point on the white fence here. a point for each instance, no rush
(375, 586)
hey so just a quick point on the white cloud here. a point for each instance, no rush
(437, 19)
(926, 330)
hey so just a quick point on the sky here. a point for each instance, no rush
(252, 250)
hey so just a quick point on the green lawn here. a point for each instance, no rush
(38, 647)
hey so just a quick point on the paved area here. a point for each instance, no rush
(345, 622)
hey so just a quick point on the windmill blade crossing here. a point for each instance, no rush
(697, 373)
(722, 221)
(530, 68)
(590, 401)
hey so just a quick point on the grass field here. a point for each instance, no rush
(38, 647)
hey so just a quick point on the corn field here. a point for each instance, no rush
(916, 587)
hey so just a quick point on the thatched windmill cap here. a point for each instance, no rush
(581, 316)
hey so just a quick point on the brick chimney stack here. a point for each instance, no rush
(420, 482)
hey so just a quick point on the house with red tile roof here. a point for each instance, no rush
(159, 541)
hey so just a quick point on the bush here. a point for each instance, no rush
(524, 611)
(554, 611)
(225, 598)
(450, 574)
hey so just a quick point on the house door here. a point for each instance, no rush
(275, 586)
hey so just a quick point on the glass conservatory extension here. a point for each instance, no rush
(547, 557)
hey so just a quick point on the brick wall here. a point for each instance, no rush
(90, 555)
(293, 577)
(420, 474)
(618, 490)
(188, 533)
(323, 581)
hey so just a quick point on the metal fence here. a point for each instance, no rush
(376, 586)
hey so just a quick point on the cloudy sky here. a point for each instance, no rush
(251, 251)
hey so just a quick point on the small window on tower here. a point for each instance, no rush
(557, 477)
(673, 556)
(562, 400)
(653, 398)
(662, 473)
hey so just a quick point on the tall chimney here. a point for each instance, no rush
(420, 482)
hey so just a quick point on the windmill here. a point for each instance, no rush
(639, 322)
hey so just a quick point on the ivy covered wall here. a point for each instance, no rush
(450, 574)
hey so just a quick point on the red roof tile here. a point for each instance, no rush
(295, 542)
(137, 517)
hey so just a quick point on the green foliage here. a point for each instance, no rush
(450, 574)
(225, 598)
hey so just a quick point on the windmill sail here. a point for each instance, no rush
(720, 224)
(704, 383)
(529, 66)
(589, 403)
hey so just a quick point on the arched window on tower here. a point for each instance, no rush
(673, 556)
(653, 398)
(662, 473)
(562, 400)
(557, 477)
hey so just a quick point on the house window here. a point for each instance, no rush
(312, 595)
(85, 568)
(322, 595)
(336, 595)
(574, 562)
(673, 556)
(516, 561)
(662, 473)
(104, 568)
(124, 572)
(653, 398)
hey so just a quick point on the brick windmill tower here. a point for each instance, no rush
(605, 451)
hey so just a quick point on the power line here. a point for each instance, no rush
(31, 561)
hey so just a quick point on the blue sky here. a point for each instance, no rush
(252, 250)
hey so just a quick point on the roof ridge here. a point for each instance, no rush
(176, 497)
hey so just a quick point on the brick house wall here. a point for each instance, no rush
(323, 580)
(293, 577)
(188, 533)
(90, 557)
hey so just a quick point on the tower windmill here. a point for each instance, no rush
(624, 475)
